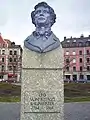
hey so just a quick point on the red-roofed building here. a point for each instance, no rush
(10, 60)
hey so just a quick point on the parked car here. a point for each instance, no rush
(68, 80)
(10, 81)
(1, 80)
(82, 80)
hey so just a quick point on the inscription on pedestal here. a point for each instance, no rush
(40, 101)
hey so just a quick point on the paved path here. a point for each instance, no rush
(9, 111)
(73, 111)
(77, 111)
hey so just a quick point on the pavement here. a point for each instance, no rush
(77, 111)
(72, 111)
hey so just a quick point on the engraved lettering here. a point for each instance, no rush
(42, 99)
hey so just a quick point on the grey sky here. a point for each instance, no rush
(73, 18)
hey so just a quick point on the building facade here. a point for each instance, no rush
(10, 60)
(76, 58)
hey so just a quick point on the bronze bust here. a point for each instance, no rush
(42, 39)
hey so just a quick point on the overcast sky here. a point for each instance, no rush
(73, 18)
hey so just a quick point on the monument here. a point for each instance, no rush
(42, 69)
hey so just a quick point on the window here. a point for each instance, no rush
(88, 68)
(15, 52)
(15, 59)
(14, 67)
(67, 68)
(74, 77)
(80, 52)
(10, 52)
(10, 59)
(80, 68)
(87, 52)
(88, 39)
(80, 44)
(67, 45)
(73, 44)
(67, 52)
(67, 60)
(74, 41)
(87, 60)
(81, 77)
(3, 45)
(1, 76)
(74, 68)
(74, 60)
(87, 43)
(3, 52)
(2, 69)
(9, 67)
(74, 53)
(68, 41)
(2, 59)
(80, 60)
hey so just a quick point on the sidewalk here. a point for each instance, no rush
(72, 111)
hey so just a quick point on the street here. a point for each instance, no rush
(72, 111)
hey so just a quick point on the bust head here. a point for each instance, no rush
(43, 14)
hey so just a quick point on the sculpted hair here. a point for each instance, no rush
(52, 13)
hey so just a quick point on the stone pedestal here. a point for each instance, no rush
(42, 85)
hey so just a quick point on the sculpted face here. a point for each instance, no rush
(42, 16)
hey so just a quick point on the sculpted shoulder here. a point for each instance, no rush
(55, 38)
(41, 46)
(28, 43)
(29, 38)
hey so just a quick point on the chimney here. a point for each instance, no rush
(13, 43)
(81, 36)
(65, 38)
(71, 37)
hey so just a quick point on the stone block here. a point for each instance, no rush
(42, 93)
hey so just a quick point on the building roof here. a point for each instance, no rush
(76, 42)
(14, 46)
(2, 40)
(8, 43)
